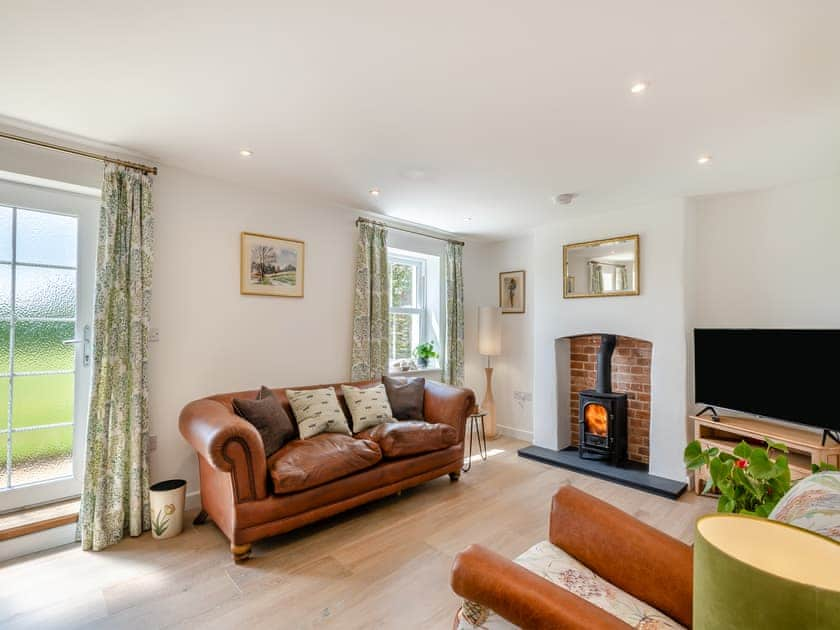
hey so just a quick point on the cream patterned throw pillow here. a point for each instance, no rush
(317, 411)
(368, 406)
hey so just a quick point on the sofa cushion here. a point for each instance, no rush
(556, 566)
(411, 437)
(406, 396)
(317, 411)
(813, 503)
(268, 416)
(303, 464)
(368, 406)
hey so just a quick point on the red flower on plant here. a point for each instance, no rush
(741, 463)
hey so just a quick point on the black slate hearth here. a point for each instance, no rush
(630, 474)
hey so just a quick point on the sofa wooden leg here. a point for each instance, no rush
(240, 552)
(455, 476)
(200, 518)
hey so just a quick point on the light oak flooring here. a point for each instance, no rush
(384, 565)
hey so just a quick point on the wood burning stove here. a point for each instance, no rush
(603, 413)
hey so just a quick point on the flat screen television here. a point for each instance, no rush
(791, 375)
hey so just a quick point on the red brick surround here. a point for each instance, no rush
(630, 374)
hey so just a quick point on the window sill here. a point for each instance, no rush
(418, 372)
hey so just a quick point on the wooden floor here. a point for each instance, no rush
(384, 565)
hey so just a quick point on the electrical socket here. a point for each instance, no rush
(154, 334)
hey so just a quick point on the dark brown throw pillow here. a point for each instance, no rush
(268, 416)
(405, 396)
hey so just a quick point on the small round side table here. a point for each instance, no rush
(476, 421)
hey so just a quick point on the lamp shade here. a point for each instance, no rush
(751, 572)
(490, 331)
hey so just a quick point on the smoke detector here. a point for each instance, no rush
(565, 199)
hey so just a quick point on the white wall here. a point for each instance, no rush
(769, 258)
(513, 369)
(657, 315)
(212, 339)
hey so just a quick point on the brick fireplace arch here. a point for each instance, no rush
(631, 364)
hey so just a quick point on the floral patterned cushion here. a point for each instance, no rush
(555, 565)
(813, 503)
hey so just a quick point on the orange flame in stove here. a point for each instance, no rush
(596, 419)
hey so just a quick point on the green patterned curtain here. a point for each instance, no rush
(115, 496)
(370, 304)
(453, 364)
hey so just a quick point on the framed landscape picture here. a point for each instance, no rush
(512, 291)
(271, 265)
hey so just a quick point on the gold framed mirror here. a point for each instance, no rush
(605, 268)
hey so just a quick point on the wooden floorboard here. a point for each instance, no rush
(383, 565)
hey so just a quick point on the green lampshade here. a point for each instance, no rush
(750, 572)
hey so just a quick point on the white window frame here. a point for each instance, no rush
(419, 308)
(84, 206)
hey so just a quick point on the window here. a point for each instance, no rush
(408, 304)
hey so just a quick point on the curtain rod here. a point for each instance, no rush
(94, 156)
(402, 229)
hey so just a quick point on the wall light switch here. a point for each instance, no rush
(152, 443)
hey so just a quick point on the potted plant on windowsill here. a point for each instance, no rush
(424, 352)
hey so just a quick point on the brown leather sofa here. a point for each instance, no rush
(250, 497)
(633, 557)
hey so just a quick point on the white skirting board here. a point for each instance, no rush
(519, 434)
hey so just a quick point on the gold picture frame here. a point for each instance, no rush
(614, 242)
(512, 292)
(271, 265)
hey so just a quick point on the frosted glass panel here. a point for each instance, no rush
(38, 346)
(45, 292)
(48, 239)
(5, 368)
(42, 399)
(4, 413)
(5, 291)
(4, 435)
(5, 234)
(42, 454)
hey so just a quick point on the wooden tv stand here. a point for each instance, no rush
(805, 446)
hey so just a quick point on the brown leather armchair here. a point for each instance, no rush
(236, 487)
(634, 557)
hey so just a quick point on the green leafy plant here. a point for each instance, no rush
(425, 351)
(749, 480)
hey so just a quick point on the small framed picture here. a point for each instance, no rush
(512, 291)
(271, 265)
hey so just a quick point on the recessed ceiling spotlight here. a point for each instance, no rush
(704, 159)
(638, 87)
(246, 152)
(374, 192)
(564, 199)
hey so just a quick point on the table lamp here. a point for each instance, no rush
(489, 345)
(751, 572)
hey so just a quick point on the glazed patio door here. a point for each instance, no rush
(47, 256)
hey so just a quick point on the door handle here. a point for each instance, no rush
(85, 341)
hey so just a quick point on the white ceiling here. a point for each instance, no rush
(475, 108)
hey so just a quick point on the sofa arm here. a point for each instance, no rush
(522, 597)
(633, 556)
(448, 405)
(229, 444)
